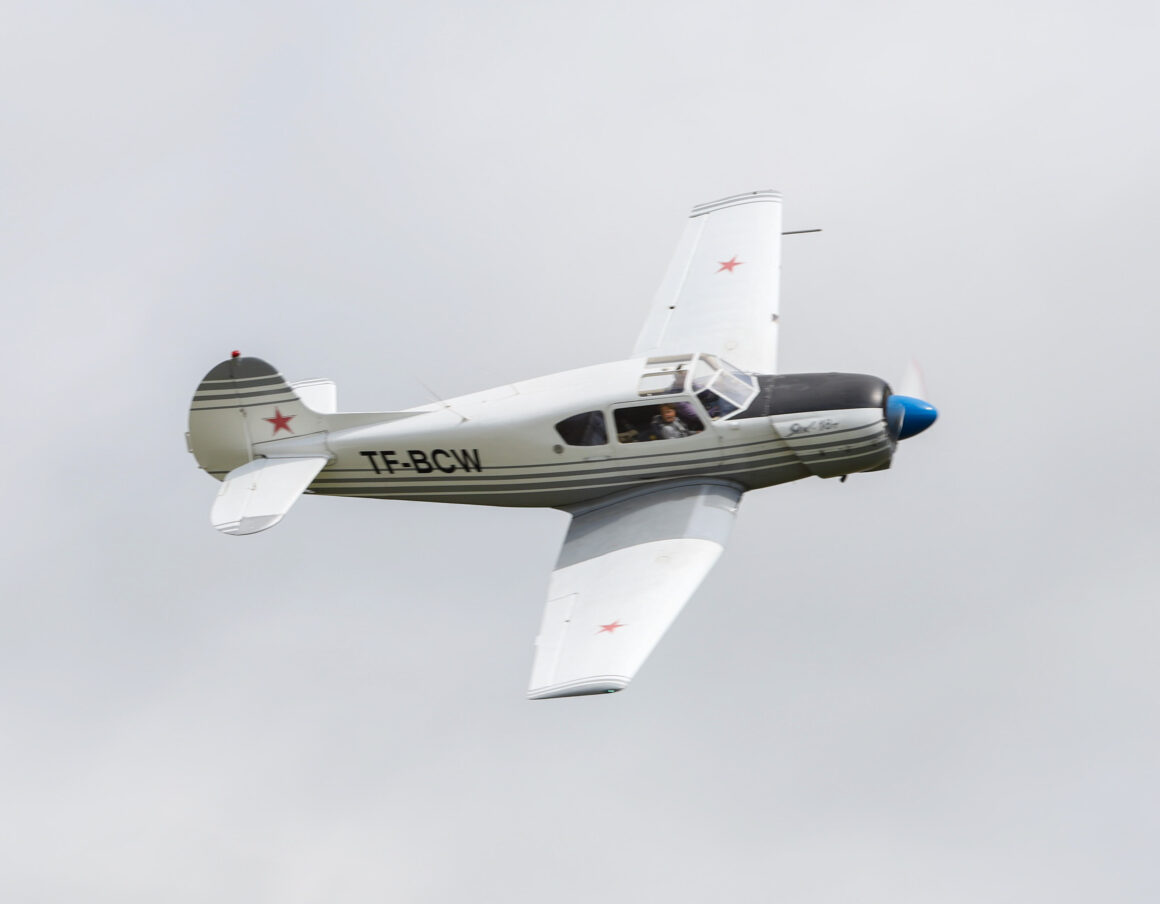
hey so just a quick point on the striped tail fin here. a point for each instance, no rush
(240, 402)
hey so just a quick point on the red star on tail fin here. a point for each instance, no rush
(280, 421)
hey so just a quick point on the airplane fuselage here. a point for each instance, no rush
(564, 439)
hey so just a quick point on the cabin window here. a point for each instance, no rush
(646, 423)
(585, 429)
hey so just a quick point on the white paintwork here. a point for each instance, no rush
(705, 306)
(825, 441)
(641, 587)
(649, 518)
(257, 495)
(318, 395)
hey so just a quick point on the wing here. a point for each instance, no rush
(720, 292)
(628, 565)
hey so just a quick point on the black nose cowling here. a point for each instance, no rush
(907, 416)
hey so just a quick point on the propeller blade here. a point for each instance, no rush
(912, 383)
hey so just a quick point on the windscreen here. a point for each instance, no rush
(722, 388)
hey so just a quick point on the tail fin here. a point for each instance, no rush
(243, 402)
(240, 402)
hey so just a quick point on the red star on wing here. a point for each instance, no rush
(730, 264)
(281, 421)
(610, 627)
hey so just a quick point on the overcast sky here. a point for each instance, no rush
(936, 683)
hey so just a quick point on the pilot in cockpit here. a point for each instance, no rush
(667, 425)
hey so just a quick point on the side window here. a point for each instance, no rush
(645, 423)
(585, 429)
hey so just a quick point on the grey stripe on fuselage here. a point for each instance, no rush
(566, 484)
(559, 495)
(767, 450)
(763, 447)
(563, 472)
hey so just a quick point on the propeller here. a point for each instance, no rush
(907, 414)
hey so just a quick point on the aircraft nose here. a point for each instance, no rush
(907, 416)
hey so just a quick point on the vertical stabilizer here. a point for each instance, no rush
(240, 402)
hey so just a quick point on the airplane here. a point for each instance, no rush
(650, 455)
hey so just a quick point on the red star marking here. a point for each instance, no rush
(281, 421)
(730, 264)
(610, 627)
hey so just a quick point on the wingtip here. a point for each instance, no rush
(766, 195)
(585, 687)
(251, 524)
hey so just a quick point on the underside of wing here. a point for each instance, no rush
(720, 293)
(628, 565)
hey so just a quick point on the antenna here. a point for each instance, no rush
(431, 392)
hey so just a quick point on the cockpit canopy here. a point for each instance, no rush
(722, 388)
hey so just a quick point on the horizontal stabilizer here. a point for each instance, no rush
(257, 495)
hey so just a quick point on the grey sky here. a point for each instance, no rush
(931, 684)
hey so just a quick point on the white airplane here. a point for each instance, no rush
(649, 455)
